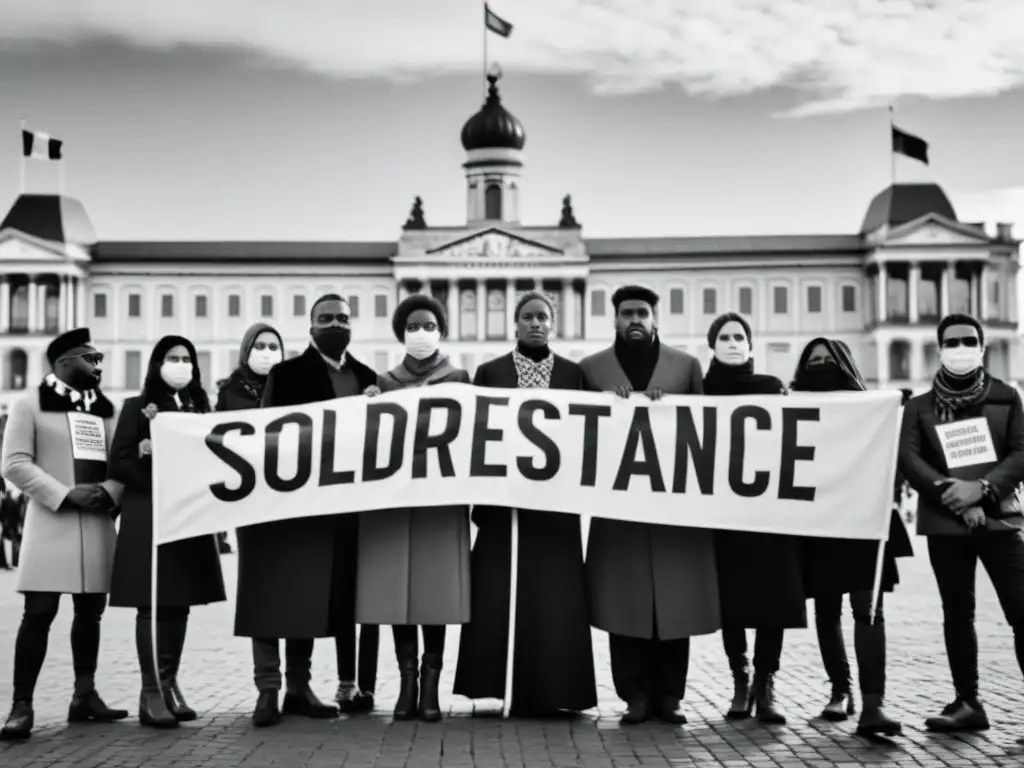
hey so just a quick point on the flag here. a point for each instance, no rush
(495, 23)
(908, 145)
(41, 146)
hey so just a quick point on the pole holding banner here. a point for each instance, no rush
(513, 598)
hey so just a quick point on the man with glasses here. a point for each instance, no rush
(55, 451)
(962, 450)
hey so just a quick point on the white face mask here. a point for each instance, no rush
(262, 360)
(422, 344)
(962, 360)
(176, 375)
(730, 350)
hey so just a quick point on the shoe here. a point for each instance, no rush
(409, 685)
(742, 699)
(873, 720)
(266, 712)
(958, 717)
(345, 698)
(306, 704)
(171, 643)
(91, 708)
(764, 700)
(429, 709)
(19, 722)
(153, 711)
(638, 710)
(840, 706)
(363, 703)
(667, 710)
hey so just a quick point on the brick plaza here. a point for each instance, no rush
(217, 681)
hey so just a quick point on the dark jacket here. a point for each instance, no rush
(922, 461)
(296, 577)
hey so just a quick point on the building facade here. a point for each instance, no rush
(881, 290)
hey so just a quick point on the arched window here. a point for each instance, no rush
(492, 201)
(17, 369)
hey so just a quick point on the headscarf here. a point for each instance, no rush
(154, 390)
(250, 381)
(844, 376)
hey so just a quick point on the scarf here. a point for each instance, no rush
(722, 379)
(533, 373)
(57, 397)
(412, 372)
(955, 393)
(638, 361)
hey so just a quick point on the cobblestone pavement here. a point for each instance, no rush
(217, 680)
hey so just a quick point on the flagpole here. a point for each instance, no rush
(892, 151)
(21, 168)
(484, 81)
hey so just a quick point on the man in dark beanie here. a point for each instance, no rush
(962, 450)
(651, 587)
(55, 450)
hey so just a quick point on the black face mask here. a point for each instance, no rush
(332, 341)
(825, 377)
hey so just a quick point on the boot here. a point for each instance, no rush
(171, 643)
(764, 699)
(267, 711)
(840, 706)
(302, 701)
(964, 716)
(153, 710)
(430, 678)
(409, 691)
(19, 722)
(742, 701)
(833, 656)
(874, 721)
(668, 709)
(638, 710)
(87, 706)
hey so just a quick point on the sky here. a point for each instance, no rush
(323, 119)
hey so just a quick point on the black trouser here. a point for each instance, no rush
(767, 649)
(345, 653)
(407, 638)
(34, 633)
(868, 641)
(3, 551)
(648, 666)
(954, 560)
(266, 659)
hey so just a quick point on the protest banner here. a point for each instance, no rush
(810, 464)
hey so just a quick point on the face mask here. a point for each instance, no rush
(730, 352)
(262, 360)
(332, 341)
(962, 360)
(422, 344)
(176, 375)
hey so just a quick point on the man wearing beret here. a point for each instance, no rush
(55, 450)
(652, 587)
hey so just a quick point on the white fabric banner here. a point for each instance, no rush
(810, 464)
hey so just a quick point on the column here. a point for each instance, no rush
(481, 310)
(946, 281)
(78, 302)
(33, 304)
(913, 283)
(587, 309)
(41, 307)
(916, 360)
(882, 351)
(454, 310)
(62, 304)
(5, 304)
(983, 293)
(883, 291)
(568, 310)
(1010, 312)
(510, 308)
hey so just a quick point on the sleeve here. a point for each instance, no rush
(125, 465)
(1009, 473)
(586, 385)
(919, 473)
(222, 399)
(696, 378)
(114, 488)
(19, 459)
(268, 389)
(480, 376)
(463, 377)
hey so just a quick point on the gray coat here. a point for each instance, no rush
(413, 564)
(638, 572)
(65, 552)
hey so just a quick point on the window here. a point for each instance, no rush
(99, 305)
(201, 306)
(492, 201)
(133, 371)
(353, 306)
(467, 315)
(267, 306)
(780, 300)
(134, 305)
(166, 305)
(496, 313)
(299, 305)
(380, 305)
(675, 301)
(205, 363)
(746, 300)
(710, 301)
(234, 305)
(849, 298)
(814, 299)
(597, 299)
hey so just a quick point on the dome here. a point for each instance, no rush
(902, 203)
(56, 218)
(493, 127)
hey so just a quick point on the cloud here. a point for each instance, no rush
(839, 54)
(1005, 204)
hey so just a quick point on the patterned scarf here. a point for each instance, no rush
(60, 397)
(955, 393)
(530, 374)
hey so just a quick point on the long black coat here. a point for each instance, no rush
(554, 659)
(296, 578)
(188, 571)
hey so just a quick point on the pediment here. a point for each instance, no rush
(494, 244)
(21, 248)
(935, 230)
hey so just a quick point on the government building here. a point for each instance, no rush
(882, 289)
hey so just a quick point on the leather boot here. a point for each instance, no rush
(153, 709)
(171, 644)
(964, 716)
(87, 706)
(764, 699)
(409, 689)
(303, 702)
(267, 711)
(638, 710)
(874, 721)
(430, 679)
(833, 656)
(19, 722)
(840, 705)
(742, 700)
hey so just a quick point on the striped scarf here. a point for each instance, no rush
(954, 393)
